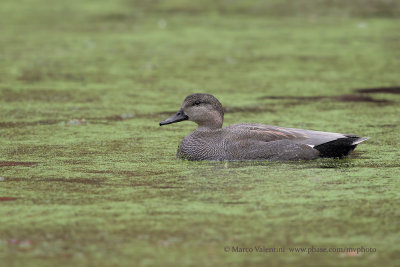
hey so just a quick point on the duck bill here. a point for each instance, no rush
(179, 116)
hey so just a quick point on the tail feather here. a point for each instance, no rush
(360, 140)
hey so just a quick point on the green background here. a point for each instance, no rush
(87, 177)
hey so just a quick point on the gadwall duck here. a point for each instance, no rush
(251, 141)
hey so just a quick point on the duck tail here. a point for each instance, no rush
(360, 140)
(340, 147)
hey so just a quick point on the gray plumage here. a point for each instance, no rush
(251, 141)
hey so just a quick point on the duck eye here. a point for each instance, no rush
(196, 103)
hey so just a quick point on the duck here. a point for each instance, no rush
(250, 141)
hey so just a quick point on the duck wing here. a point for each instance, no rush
(327, 143)
(269, 133)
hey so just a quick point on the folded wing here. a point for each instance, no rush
(327, 143)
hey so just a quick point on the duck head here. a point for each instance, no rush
(203, 109)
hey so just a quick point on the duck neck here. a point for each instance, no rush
(214, 124)
(207, 128)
